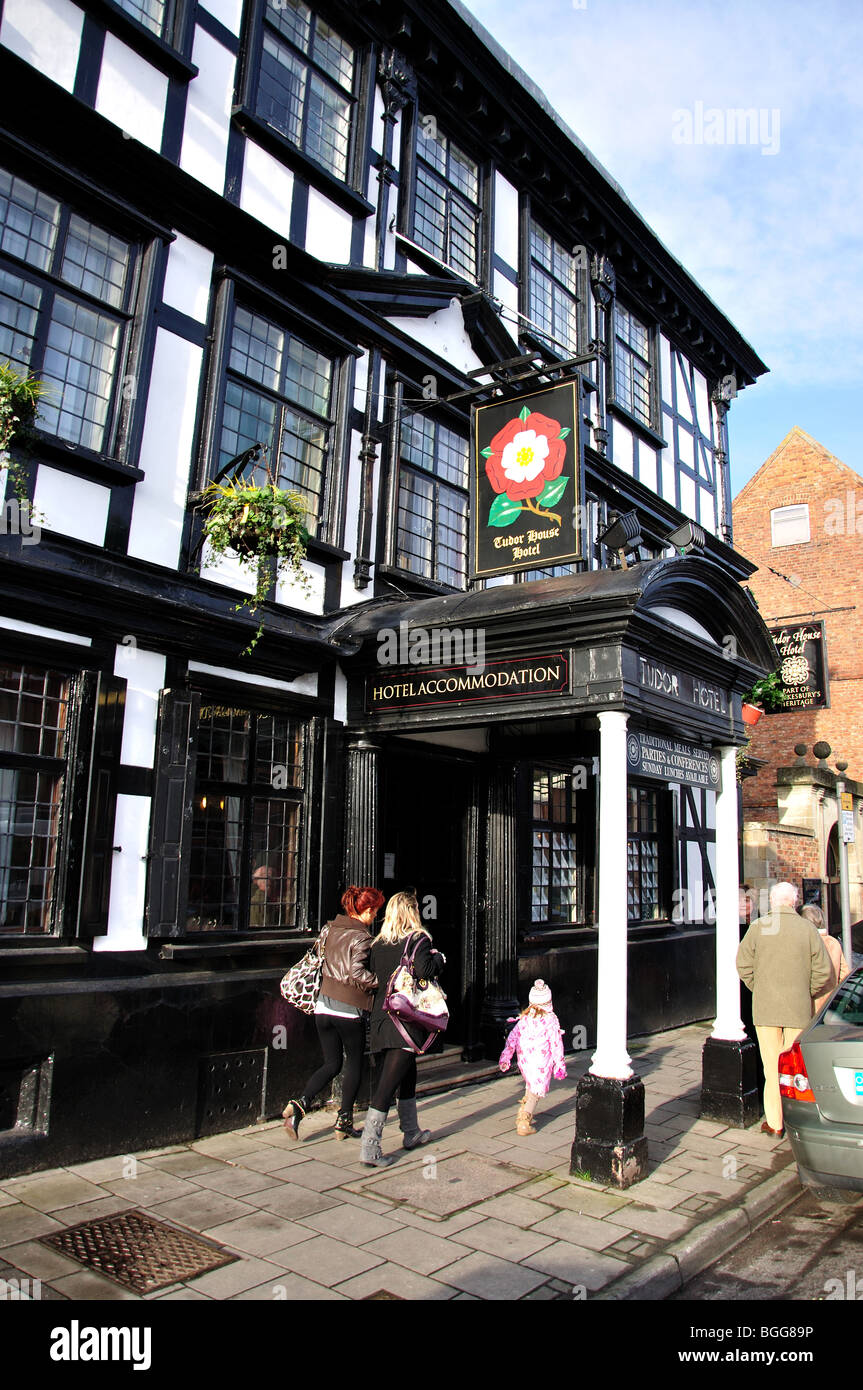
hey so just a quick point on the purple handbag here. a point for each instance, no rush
(419, 1003)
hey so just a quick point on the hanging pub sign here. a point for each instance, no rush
(526, 482)
(803, 680)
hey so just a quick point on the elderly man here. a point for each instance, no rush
(783, 961)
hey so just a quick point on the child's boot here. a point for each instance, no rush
(524, 1122)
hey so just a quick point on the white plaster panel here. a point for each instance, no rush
(328, 230)
(370, 240)
(53, 633)
(685, 446)
(188, 278)
(208, 112)
(128, 877)
(682, 394)
(414, 267)
(696, 885)
(647, 465)
(621, 451)
(389, 197)
(665, 368)
(378, 122)
(227, 12)
(70, 505)
(506, 220)
(306, 684)
(669, 491)
(702, 404)
(340, 697)
(349, 593)
(687, 496)
(144, 674)
(507, 292)
(228, 570)
(707, 503)
(166, 450)
(361, 379)
(46, 34)
(132, 93)
(267, 190)
(443, 333)
(289, 592)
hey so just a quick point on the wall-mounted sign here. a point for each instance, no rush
(803, 672)
(512, 679)
(671, 760)
(680, 686)
(526, 482)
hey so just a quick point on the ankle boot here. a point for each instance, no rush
(524, 1124)
(371, 1153)
(344, 1126)
(294, 1111)
(409, 1125)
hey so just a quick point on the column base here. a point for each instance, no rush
(609, 1146)
(494, 1025)
(729, 1082)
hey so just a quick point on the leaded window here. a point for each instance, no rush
(34, 710)
(155, 15)
(554, 877)
(433, 501)
(305, 84)
(646, 855)
(553, 305)
(278, 393)
(65, 285)
(447, 212)
(246, 819)
(633, 367)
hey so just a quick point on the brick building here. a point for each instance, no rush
(800, 520)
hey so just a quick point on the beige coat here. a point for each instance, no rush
(841, 968)
(782, 959)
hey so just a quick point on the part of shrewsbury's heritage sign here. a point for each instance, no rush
(803, 673)
(525, 482)
(671, 760)
(455, 685)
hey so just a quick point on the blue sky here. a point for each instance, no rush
(776, 239)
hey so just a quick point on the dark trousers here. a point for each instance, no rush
(342, 1040)
(397, 1071)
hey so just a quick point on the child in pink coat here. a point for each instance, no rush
(535, 1039)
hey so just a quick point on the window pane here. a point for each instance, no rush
(29, 832)
(430, 218)
(294, 20)
(150, 13)
(334, 55)
(78, 373)
(249, 418)
(256, 349)
(33, 711)
(275, 844)
(279, 751)
(29, 221)
(214, 876)
(301, 464)
(328, 123)
(281, 89)
(96, 262)
(451, 549)
(19, 310)
(308, 377)
(224, 736)
(416, 520)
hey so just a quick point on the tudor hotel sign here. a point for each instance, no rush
(526, 482)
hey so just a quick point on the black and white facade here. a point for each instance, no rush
(318, 228)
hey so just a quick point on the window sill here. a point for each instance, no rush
(627, 418)
(75, 458)
(277, 144)
(425, 586)
(48, 954)
(147, 44)
(431, 263)
(323, 551)
(188, 950)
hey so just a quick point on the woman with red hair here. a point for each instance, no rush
(347, 989)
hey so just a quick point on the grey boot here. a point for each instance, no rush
(409, 1125)
(371, 1153)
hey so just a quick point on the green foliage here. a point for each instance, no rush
(257, 523)
(19, 398)
(766, 693)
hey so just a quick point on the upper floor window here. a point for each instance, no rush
(790, 525)
(278, 394)
(553, 305)
(433, 501)
(633, 365)
(305, 85)
(447, 212)
(65, 287)
(155, 15)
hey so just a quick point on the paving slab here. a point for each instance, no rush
(328, 1261)
(203, 1210)
(394, 1281)
(20, 1222)
(416, 1250)
(450, 1185)
(47, 1194)
(501, 1238)
(578, 1230)
(259, 1234)
(490, 1278)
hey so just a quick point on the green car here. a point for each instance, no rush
(821, 1083)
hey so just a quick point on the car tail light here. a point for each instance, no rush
(793, 1080)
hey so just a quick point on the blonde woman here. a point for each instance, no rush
(397, 1066)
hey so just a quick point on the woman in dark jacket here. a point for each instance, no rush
(397, 1061)
(346, 991)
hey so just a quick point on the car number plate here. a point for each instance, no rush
(858, 1082)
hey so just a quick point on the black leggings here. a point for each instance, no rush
(398, 1072)
(341, 1039)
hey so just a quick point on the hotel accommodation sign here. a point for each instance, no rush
(803, 673)
(513, 679)
(525, 482)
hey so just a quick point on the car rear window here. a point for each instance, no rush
(846, 1006)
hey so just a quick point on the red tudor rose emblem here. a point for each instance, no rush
(524, 462)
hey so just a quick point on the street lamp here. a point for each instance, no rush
(842, 768)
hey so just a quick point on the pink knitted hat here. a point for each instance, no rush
(540, 995)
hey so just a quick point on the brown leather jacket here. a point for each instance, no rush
(345, 975)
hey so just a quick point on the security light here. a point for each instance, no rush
(686, 538)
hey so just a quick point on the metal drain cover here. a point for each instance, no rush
(139, 1252)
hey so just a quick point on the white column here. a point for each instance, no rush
(611, 1058)
(729, 1024)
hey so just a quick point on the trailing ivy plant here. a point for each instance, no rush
(19, 399)
(766, 693)
(257, 522)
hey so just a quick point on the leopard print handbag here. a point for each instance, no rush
(302, 984)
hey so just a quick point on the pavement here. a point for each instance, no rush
(478, 1213)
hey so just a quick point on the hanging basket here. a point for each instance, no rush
(751, 713)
